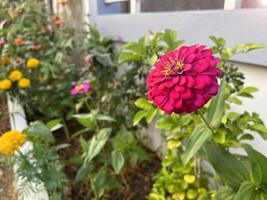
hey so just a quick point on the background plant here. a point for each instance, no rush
(29, 32)
(107, 140)
(188, 137)
(39, 167)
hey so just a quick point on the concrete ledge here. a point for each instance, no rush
(18, 122)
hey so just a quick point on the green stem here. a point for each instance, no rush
(87, 106)
(66, 130)
(205, 121)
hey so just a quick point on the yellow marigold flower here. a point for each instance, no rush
(33, 63)
(189, 178)
(5, 84)
(11, 141)
(24, 83)
(15, 75)
(5, 60)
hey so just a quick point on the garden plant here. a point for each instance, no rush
(201, 133)
(85, 101)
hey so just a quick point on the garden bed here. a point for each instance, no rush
(136, 181)
(7, 189)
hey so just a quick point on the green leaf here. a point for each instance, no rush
(143, 104)
(83, 172)
(84, 144)
(150, 115)
(97, 143)
(129, 57)
(250, 89)
(199, 136)
(219, 137)
(246, 191)
(87, 120)
(113, 183)
(102, 117)
(232, 170)
(133, 47)
(258, 165)
(170, 37)
(139, 116)
(246, 137)
(98, 183)
(117, 160)
(165, 123)
(225, 193)
(216, 109)
(234, 100)
(38, 130)
(243, 94)
(54, 124)
(152, 60)
(156, 196)
(261, 129)
(218, 41)
(243, 48)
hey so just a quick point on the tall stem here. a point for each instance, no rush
(205, 121)
(66, 130)
(87, 105)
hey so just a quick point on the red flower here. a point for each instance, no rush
(183, 80)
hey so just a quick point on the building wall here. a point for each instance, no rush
(175, 5)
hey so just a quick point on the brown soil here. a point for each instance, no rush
(7, 191)
(4, 119)
(136, 181)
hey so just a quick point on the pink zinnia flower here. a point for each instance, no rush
(2, 41)
(80, 89)
(183, 80)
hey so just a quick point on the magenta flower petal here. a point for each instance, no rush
(80, 89)
(184, 80)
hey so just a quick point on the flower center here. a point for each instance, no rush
(179, 67)
(173, 68)
(79, 87)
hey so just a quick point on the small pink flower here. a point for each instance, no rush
(80, 89)
(183, 80)
(2, 41)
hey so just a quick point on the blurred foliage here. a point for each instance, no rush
(105, 113)
(54, 46)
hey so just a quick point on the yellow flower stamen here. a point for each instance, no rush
(179, 65)
(79, 87)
